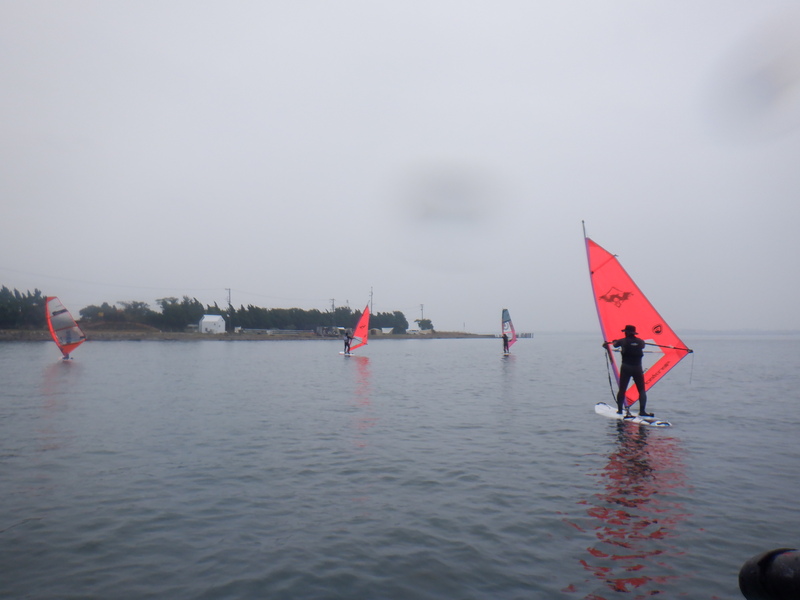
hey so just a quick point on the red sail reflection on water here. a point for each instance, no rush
(635, 516)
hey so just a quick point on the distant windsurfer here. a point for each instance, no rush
(632, 349)
(347, 339)
(505, 343)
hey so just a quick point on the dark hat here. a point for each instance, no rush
(630, 329)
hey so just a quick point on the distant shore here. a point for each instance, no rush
(21, 335)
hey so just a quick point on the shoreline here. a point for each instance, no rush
(21, 335)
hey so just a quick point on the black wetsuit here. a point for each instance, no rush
(632, 349)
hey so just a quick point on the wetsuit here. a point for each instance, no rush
(505, 343)
(632, 349)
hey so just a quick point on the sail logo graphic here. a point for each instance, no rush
(615, 296)
(658, 329)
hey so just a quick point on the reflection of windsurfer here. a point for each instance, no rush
(637, 510)
(632, 456)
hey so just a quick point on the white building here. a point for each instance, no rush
(212, 324)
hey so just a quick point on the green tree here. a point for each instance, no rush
(103, 313)
(137, 312)
(396, 320)
(176, 316)
(424, 324)
(21, 311)
(344, 317)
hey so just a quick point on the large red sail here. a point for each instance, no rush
(620, 302)
(65, 331)
(361, 332)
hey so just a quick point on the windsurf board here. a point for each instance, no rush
(601, 408)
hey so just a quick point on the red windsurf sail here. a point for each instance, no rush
(65, 331)
(361, 332)
(620, 302)
(508, 328)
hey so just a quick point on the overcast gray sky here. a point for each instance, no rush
(442, 153)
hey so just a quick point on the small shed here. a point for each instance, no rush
(212, 324)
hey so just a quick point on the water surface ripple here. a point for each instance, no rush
(429, 469)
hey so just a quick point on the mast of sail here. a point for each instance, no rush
(606, 336)
(65, 331)
(361, 332)
(620, 302)
(508, 328)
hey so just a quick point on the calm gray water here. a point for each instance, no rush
(422, 469)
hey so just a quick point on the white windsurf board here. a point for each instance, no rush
(601, 408)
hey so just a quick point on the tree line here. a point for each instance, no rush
(21, 311)
(27, 311)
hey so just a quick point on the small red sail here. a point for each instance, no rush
(620, 302)
(65, 331)
(508, 328)
(361, 332)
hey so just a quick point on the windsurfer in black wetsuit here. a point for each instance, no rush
(347, 339)
(505, 343)
(632, 349)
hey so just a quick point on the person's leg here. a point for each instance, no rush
(638, 379)
(624, 380)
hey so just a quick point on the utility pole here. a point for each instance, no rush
(370, 301)
(421, 312)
